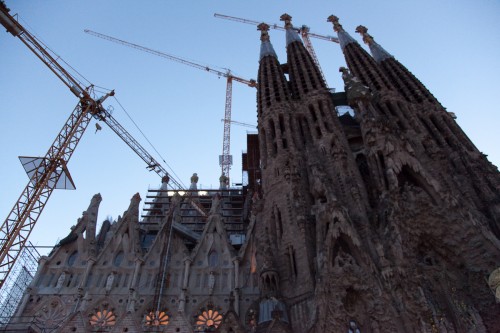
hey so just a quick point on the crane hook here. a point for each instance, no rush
(97, 127)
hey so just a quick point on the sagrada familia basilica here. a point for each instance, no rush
(383, 220)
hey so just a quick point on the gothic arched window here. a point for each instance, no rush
(213, 259)
(118, 259)
(72, 258)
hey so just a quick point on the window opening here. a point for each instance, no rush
(72, 258)
(118, 259)
(213, 259)
(103, 318)
(208, 319)
(157, 318)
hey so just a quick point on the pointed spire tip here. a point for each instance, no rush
(363, 31)
(344, 37)
(266, 48)
(378, 52)
(291, 33)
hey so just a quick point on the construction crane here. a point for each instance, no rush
(303, 30)
(50, 172)
(225, 160)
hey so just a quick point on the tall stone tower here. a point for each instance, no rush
(386, 220)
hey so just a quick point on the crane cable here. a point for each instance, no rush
(90, 84)
(49, 49)
(152, 146)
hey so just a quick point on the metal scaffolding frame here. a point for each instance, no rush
(16, 283)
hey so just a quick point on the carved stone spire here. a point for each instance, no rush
(377, 51)
(401, 78)
(291, 33)
(305, 76)
(344, 37)
(360, 63)
(272, 87)
(266, 48)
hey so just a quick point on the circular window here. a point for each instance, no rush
(208, 319)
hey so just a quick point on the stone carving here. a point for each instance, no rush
(355, 89)
(211, 283)
(60, 280)
(494, 283)
(109, 282)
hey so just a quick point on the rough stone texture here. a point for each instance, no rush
(385, 221)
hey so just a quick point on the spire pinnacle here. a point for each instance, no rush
(377, 51)
(344, 37)
(336, 24)
(291, 33)
(266, 48)
(363, 31)
(264, 34)
(288, 20)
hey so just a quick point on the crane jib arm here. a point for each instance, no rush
(17, 30)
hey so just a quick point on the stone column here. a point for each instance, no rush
(182, 301)
(187, 266)
(81, 286)
(133, 282)
(236, 263)
(41, 266)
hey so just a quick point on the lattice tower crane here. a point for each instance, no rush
(303, 30)
(225, 160)
(50, 172)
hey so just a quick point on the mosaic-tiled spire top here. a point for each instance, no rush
(291, 33)
(266, 48)
(344, 37)
(378, 52)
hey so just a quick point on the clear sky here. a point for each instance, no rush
(452, 46)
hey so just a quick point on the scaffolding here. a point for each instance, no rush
(16, 283)
(191, 223)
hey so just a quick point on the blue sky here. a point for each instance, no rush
(451, 46)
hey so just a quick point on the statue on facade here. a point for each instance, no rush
(211, 282)
(194, 182)
(109, 282)
(223, 180)
(60, 280)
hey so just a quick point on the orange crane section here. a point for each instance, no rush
(50, 172)
(225, 159)
(303, 30)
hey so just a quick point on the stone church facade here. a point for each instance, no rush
(384, 221)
